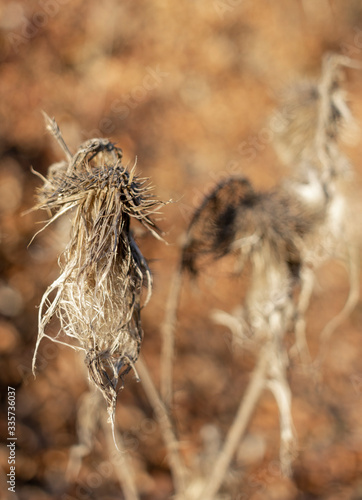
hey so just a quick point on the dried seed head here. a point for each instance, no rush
(212, 228)
(98, 294)
(295, 140)
(314, 116)
(235, 217)
(295, 135)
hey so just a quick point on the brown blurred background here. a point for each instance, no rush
(187, 88)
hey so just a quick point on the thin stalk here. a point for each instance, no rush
(278, 385)
(241, 421)
(352, 300)
(168, 338)
(120, 461)
(177, 466)
(300, 347)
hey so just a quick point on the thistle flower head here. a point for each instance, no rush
(98, 294)
(235, 217)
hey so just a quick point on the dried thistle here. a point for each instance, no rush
(315, 117)
(270, 230)
(279, 232)
(98, 294)
(234, 217)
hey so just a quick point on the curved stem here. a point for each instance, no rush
(168, 338)
(177, 466)
(241, 421)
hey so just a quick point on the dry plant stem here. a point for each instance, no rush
(177, 466)
(53, 128)
(87, 422)
(237, 429)
(325, 87)
(90, 415)
(237, 326)
(280, 389)
(168, 338)
(301, 347)
(328, 76)
(353, 296)
(121, 461)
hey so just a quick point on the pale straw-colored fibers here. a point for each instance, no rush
(97, 297)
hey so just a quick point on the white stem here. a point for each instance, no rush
(168, 338)
(301, 347)
(177, 466)
(239, 426)
(280, 389)
(121, 461)
(352, 299)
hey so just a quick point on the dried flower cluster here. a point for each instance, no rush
(98, 294)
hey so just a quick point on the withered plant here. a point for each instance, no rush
(285, 234)
(267, 229)
(97, 297)
(316, 120)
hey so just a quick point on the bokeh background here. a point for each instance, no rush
(187, 88)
